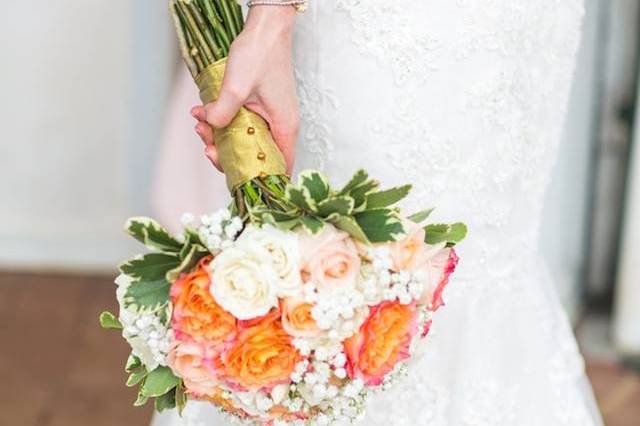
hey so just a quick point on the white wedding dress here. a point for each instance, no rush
(465, 99)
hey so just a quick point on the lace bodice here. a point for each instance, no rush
(463, 97)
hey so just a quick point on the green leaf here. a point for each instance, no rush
(389, 197)
(287, 225)
(360, 193)
(189, 261)
(443, 233)
(341, 205)
(158, 382)
(181, 397)
(110, 321)
(133, 362)
(350, 226)
(358, 179)
(141, 400)
(151, 234)
(166, 401)
(191, 238)
(150, 267)
(147, 296)
(136, 376)
(421, 216)
(316, 183)
(311, 224)
(381, 225)
(300, 197)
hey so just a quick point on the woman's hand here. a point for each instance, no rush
(259, 75)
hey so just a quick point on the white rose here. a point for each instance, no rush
(139, 346)
(284, 250)
(243, 281)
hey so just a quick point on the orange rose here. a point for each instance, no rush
(261, 356)
(382, 342)
(196, 315)
(297, 319)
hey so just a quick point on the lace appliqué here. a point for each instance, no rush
(315, 98)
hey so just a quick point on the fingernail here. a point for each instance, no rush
(198, 129)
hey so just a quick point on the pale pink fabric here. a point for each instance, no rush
(185, 181)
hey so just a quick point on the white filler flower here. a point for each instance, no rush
(243, 281)
(148, 338)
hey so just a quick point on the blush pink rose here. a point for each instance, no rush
(191, 361)
(410, 252)
(437, 270)
(329, 259)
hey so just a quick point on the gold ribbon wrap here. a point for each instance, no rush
(246, 149)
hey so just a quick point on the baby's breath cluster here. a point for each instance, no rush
(217, 230)
(152, 334)
(379, 283)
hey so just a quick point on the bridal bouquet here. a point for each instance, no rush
(297, 302)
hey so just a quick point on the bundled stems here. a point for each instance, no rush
(206, 29)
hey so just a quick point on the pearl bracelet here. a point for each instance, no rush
(300, 5)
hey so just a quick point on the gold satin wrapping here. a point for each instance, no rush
(246, 148)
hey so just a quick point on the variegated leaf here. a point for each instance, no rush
(316, 183)
(151, 266)
(300, 197)
(381, 225)
(311, 224)
(443, 233)
(349, 225)
(151, 234)
(341, 205)
(421, 216)
(387, 198)
(158, 382)
(359, 178)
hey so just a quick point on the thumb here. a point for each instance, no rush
(220, 112)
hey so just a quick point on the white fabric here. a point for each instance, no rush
(465, 99)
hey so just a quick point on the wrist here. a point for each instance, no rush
(272, 19)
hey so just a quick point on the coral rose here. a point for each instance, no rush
(196, 315)
(297, 319)
(437, 271)
(330, 259)
(262, 355)
(383, 340)
(188, 361)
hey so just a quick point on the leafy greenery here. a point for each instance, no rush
(151, 234)
(153, 273)
(443, 233)
(360, 208)
(150, 267)
(421, 216)
(159, 382)
(110, 321)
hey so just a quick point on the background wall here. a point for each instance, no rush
(564, 238)
(82, 99)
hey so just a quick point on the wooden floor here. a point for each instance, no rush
(58, 368)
